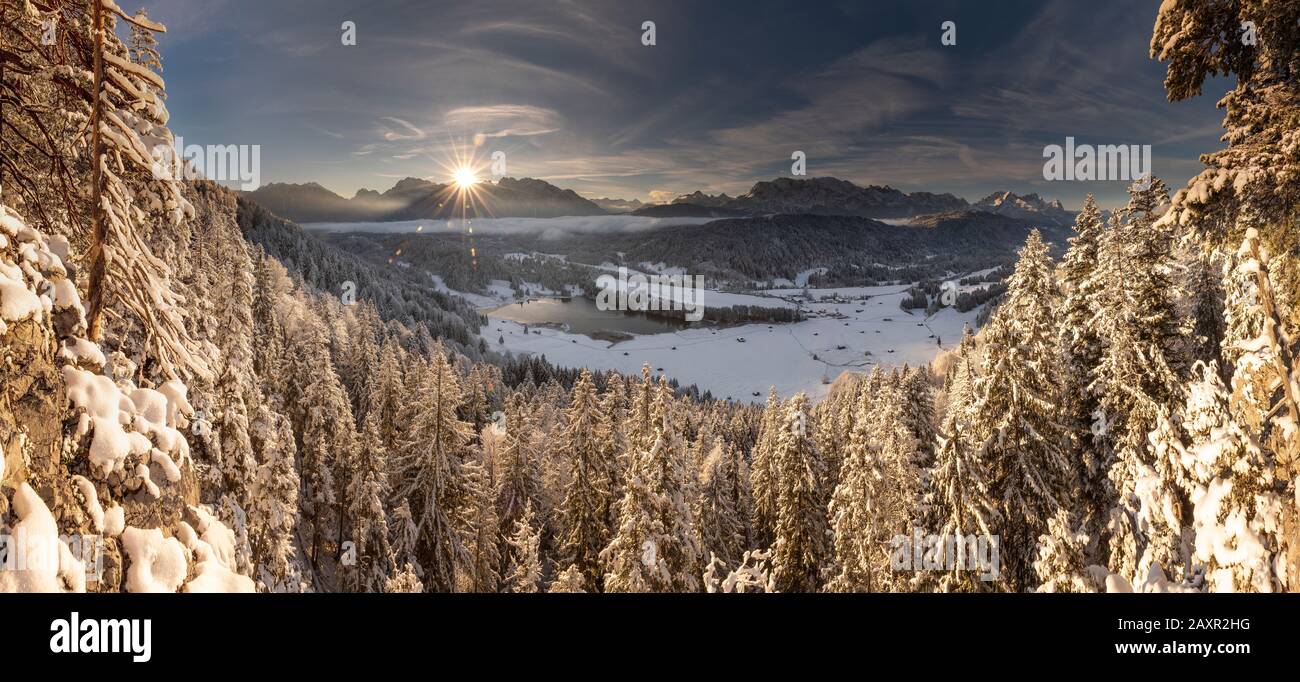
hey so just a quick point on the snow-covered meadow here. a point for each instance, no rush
(743, 362)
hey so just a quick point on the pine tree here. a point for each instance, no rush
(236, 394)
(144, 46)
(359, 357)
(918, 411)
(1060, 564)
(762, 473)
(612, 440)
(407, 581)
(800, 549)
(959, 502)
(485, 535)
(1081, 353)
(1140, 376)
(366, 513)
(1253, 181)
(1015, 423)
(632, 562)
(569, 581)
(327, 440)
(519, 482)
(273, 514)
(721, 512)
(961, 381)
(525, 569)
(386, 391)
(666, 474)
(432, 476)
(585, 511)
(268, 354)
(859, 511)
(639, 428)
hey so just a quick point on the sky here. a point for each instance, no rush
(567, 90)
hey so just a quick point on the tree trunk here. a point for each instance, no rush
(99, 230)
(1290, 448)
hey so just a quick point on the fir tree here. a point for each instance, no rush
(1081, 353)
(762, 472)
(1139, 376)
(1060, 564)
(585, 511)
(366, 513)
(433, 478)
(721, 512)
(800, 549)
(569, 581)
(959, 502)
(525, 568)
(1015, 418)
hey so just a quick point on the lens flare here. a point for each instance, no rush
(465, 177)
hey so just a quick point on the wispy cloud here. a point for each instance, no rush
(568, 91)
(405, 130)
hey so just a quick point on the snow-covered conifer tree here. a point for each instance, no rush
(762, 472)
(432, 475)
(800, 549)
(1015, 423)
(585, 510)
(525, 568)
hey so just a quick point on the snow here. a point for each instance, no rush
(114, 521)
(91, 502)
(726, 299)
(158, 564)
(101, 401)
(151, 415)
(17, 301)
(213, 547)
(216, 535)
(800, 280)
(36, 559)
(157, 411)
(169, 467)
(499, 293)
(142, 470)
(1230, 538)
(66, 296)
(777, 355)
(79, 351)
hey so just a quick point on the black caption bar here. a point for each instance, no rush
(727, 633)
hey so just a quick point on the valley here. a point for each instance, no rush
(793, 326)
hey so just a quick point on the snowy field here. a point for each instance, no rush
(780, 355)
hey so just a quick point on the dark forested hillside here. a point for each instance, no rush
(854, 250)
(396, 293)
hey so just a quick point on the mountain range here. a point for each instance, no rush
(1028, 207)
(416, 198)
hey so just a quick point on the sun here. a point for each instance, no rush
(464, 177)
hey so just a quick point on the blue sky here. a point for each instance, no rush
(568, 91)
